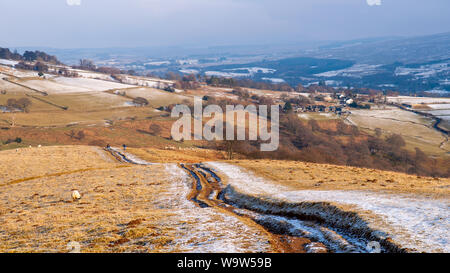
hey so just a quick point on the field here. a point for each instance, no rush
(415, 129)
(317, 116)
(156, 97)
(410, 211)
(310, 176)
(123, 208)
(82, 101)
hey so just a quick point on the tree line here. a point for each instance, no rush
(29, 56)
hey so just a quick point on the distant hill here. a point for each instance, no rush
(384, 51)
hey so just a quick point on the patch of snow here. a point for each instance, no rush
(444, 106)
(8, 62)
(356, 71)
(425, 221)
(157, 63)
(254, 70)
(413, 222)
(387, 85)
(424, 71)
(274, 80)
(418, 100)
(189, 71)
(134, 159)
(226, 74)
(187, 62)
(86, 85)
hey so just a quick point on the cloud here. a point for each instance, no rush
(374, 2)
(73, 2)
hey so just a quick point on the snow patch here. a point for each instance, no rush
(413, 222)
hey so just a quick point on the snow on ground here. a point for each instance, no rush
(230, 73)
(440, 112)
(212, 231)
(93, 75)
(445, 106)
(226, 74)
(274, 80)
(246, 182)
(413, 222)
(425, 221)
(424, 71)
(189, 71)
(389, 113)
(147, 82)
(53, 87)
(8, 62)
(89, 84)
(254, 70)
(417, 100)
(357, 71)
(134, 159)
(207, 230)
(23, 74)
(157, 63)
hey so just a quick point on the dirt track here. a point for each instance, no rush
(286, 233)
(207, 191)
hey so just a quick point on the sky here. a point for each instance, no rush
(137, 23)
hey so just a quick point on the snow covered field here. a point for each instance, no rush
(440, 106)
(189, 71)
(59, 85)
(417, 223)
(226, 74)
(89, 84)
(274, 80)
(93, 75)
(254, 70)
(418, 100)
(8, 62)
(147, 82)
(356, 71)
(424, 71)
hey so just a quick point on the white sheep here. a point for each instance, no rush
(76, 195)
(39, 146)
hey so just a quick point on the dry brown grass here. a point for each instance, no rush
(416, 130)
(182, 155)
(124, 208)
(35, 162)
(304, 176)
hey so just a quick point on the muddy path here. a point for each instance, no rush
(286, 233)
(207, 191)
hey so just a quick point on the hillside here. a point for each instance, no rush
(149, 208)
(123, 208)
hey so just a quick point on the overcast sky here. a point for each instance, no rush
(132, 23)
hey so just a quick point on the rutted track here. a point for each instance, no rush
(207, 191)
(292, 232)
(286, 233)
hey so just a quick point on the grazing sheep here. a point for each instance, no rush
(76, 195)
(39, 146)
